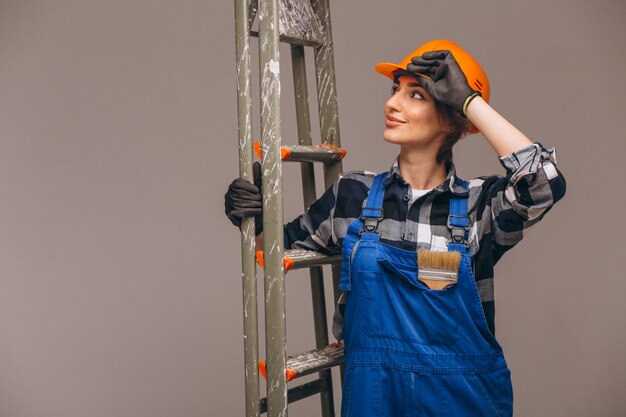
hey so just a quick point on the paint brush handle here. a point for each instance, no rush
(437, 279)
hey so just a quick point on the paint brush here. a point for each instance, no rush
(438, 270)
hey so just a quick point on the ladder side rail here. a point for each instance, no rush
(327, 102)
(327, 88)
(249, 286)
(275, 321)
(308, 189)
(328, 111)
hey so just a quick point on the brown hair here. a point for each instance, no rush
(454, 125)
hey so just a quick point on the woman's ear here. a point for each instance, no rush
(472, 130)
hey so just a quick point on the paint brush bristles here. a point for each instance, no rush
(438, 270)
(438, 260)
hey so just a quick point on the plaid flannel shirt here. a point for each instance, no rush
(500, 208)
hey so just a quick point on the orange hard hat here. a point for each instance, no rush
(476, 76)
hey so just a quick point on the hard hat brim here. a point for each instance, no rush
(388, 69)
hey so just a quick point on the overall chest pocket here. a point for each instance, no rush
(397, 306)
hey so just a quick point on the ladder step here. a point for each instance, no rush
(306, 363)
(300, 392)
(298, 24)
(301, 153)
(291, 40)
(302, 258)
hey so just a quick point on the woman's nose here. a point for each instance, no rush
(392, 103)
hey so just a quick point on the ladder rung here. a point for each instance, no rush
(298, 24)
(309, 362)
(293, 40)
(301, 153)
(302, 258)
(300, 392)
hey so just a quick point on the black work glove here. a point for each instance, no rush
(447, 83)
(245, 200)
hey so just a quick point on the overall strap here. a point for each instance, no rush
(459, 222)
(371, 215)
(375, 196)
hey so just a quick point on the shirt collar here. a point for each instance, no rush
(451, 183)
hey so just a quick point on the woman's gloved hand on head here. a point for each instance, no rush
(244, 199)
(447, 83)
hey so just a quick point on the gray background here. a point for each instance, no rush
(120, 289)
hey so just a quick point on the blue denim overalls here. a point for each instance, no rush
(412, 351)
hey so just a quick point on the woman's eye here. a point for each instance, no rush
(416, 95)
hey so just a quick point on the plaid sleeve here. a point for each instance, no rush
(324, 224)
(508, 205)
(313, 229)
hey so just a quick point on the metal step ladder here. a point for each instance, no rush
(300, 23)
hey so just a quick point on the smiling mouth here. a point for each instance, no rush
(393, 121)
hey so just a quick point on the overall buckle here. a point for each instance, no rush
(370, 224)
(458, 233)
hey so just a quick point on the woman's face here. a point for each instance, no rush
(411, 115)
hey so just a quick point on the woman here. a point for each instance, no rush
(410, 349)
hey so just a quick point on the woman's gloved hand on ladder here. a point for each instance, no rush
(244, 199)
